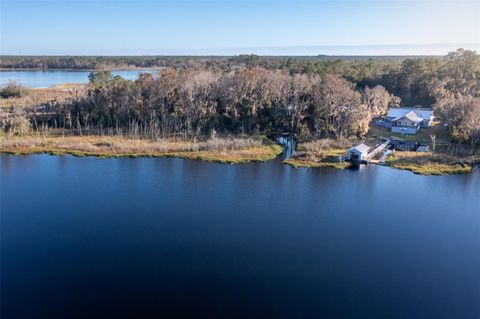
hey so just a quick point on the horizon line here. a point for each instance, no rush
(429, 49)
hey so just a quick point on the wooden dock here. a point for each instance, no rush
(377, 150)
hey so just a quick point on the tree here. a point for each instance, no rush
(463, 116)
(339, 109)
(379, 100)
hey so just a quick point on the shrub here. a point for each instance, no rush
(13, 90)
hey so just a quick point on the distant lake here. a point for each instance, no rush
(46, 78)
(173, 238)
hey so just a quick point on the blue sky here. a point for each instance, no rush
(238, 26)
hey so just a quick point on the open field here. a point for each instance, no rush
(222, 150)
(423, 136)
(37, 96)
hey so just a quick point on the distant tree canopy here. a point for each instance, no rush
(417, 81)
(92, 62)
(312, 96)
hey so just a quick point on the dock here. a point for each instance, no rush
(380, 148)
(363, 153)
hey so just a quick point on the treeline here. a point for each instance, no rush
(251, 94)
(417, 81)
(197, 102)
(101, 62)
(302, 63)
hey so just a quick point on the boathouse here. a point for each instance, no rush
(358, 153)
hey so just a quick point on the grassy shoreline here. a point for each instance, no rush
(431, 164)
(328, 158)
(227, 151)
(425, 169)
(312, 164)
(325, 153)
(320, 153)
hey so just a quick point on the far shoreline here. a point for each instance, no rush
(80, 70)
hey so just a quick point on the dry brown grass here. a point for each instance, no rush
(225, 150)
(322, 147)
(321, 153)
(38, 96)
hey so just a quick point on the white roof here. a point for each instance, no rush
(401, 112)
(412, 117)
(362, 148)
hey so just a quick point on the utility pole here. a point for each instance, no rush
(434, 138)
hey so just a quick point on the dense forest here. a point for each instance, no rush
(251, 94)
(101, 62)
(115, 62)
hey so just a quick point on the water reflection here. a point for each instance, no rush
(288, 144)
(274, 239)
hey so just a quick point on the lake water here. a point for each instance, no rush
(39, 79)
(172, 238)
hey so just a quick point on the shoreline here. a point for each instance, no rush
(429, 164)
(81, 70)
(230, 151)
(424, 170)
(118, 147)
(427, 168)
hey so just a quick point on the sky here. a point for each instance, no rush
(229, 27)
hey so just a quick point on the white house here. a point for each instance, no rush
(425, 114)
(406, 120)
(407, 124)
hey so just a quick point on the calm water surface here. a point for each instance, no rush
(171, 238)
(38, 79)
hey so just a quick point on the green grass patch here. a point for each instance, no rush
(430, 164)
(305, 163)
(434, 169)
(423, 135)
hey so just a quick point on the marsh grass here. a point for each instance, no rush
(321, 153)
(432, 164)
(223, 150)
